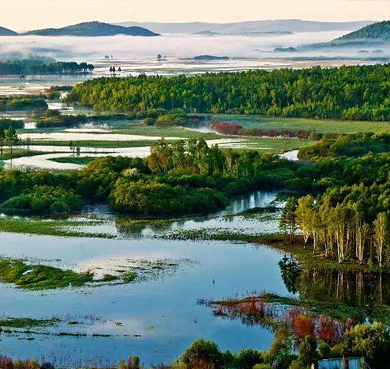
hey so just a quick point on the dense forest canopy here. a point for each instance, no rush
(37, 66)
(352, 93)
(180, 178)
(380, 30)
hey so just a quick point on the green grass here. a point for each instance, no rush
(60, 228)
(74, 160)
(43, 277)
(97, 144)
(40, 277)
(317, 125)
(17, 153)
(140, 129)
(27, 322)
(263, 145)
(272, 145)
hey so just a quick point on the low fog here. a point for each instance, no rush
(140, 53)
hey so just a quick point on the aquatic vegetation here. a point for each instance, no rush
(40, 277)
(27, 323)
(43, 277)
(61, 228)
(300, 320)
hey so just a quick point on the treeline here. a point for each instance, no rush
(356, 92)
(347, 215)
(237, 130)
(180, 178)
(22, 104)
(5, 123)
(370, 342)
(353, 145)
(54, 119)
(37, 66)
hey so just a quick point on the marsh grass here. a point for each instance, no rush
(60, 228)
(42, 277)
(27, 322)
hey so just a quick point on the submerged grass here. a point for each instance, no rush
(43, 277)
(61, 228)
(27, 322)
(334, 310)
(40, 277)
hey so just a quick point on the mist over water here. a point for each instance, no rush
(143, 48)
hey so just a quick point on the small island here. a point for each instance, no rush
(210, 58)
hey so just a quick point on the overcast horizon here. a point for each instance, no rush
(24, 15)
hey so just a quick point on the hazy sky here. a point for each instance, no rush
(29, 14)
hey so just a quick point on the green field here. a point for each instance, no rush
(140, 129)
(74, 160)
(319, 126)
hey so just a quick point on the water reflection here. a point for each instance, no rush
(351, 288)
(335, 286)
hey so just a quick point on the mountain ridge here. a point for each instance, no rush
(92, 29)
(286, 25)
(7, 32)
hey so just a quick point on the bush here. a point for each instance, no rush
(203, 351)
(44, 200)
(247, 358)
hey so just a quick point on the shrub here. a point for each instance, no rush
(247, 358)
(203, 351)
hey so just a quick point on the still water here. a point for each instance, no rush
(155, 319)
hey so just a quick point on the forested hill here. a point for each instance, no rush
(376, 31)
(7, 32)
(353, 93)
(93, 29)
(373, 35)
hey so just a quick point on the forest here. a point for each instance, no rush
(180, 178)
(37, 66)
(348, 220)
(350, 93)
(22, 104)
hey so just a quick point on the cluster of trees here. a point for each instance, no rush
(357, 92)
(370, 342)
(168, 119)
(237, 130)
(5, 123)
(44, 200)
(354, 145)
(22, 104)
(181, 178)
(54, 118)
(184, 177)
(346, 215)
(347, 223)
(8, 138)
(38, 66)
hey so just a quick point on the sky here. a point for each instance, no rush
(22, 15)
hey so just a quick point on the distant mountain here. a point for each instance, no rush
(282, 25)
(92, 29)
(376, 31)
(7, 32)
(369, 36)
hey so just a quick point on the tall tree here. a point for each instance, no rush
(288, 220)
(11, 137)
(2, 139)
(381, 236)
